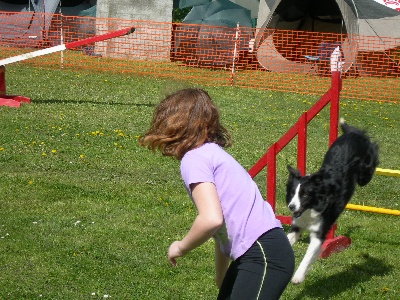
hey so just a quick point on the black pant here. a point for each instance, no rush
(263, 272)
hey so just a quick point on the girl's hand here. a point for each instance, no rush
(173, 252)
(207, 222)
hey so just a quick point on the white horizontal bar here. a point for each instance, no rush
(28, 55)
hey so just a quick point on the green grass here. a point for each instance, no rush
(85, 212)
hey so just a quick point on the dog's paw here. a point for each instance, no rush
(292, 237)
(298, 278)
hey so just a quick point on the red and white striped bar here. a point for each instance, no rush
(71, 45)
(14, 100)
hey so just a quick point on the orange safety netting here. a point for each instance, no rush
(280, 60)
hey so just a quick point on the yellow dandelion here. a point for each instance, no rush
(44, 154)
(30, 182)
(53, 151)
(81, 156)
(1, 149)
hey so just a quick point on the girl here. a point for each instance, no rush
(230, 207)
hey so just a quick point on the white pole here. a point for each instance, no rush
(61, 39)
(234, 53)
(28, 55)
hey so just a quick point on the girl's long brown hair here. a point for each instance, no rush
(183, 121)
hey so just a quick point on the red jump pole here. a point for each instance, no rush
(302, 143)
(14, 101)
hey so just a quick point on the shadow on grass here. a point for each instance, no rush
(334, 285)
(55, 101)
(382, 239)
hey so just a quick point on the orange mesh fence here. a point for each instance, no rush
(280, 60)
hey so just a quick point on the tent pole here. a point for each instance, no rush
(341, 27)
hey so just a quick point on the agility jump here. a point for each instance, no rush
(332, 243)
(15, 100)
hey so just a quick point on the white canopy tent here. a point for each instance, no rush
(30, 20)
(377, 19)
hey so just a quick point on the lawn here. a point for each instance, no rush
(85, 213)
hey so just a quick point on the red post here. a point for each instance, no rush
(336, 86)
(2, 80)
(302, 143)
(271, 176)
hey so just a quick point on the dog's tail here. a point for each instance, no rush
(344, 126)
(370, 160)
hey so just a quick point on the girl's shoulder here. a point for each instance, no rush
(206, 153)
(205, 149)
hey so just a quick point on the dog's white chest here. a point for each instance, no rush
(309, 220)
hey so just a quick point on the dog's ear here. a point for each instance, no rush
(293, 172)
(317, 177)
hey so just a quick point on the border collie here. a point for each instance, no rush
(316, 200)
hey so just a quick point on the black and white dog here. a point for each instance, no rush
(317, 200)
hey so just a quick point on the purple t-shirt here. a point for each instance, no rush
(246, 214)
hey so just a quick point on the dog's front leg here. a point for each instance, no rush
(312, 253)
(294, 234)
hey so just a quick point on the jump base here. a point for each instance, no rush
(9, 100)
(334, 245)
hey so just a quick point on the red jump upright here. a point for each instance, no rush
(332, 244)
